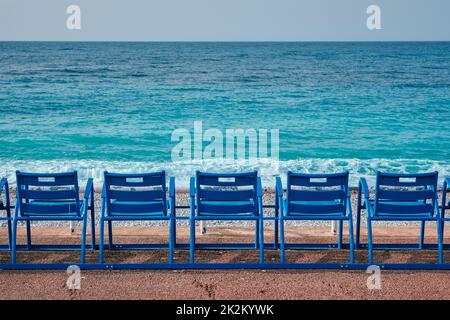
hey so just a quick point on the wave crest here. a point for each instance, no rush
(267, 168)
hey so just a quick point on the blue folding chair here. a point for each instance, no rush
(137, 197)
(400, 197)
(52, 197)
(5, 206)
(315, 197)
(227, 197)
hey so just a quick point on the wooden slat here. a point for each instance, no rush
(227, 181)
(43, 209)
(315, 195)
(144, 181)
(131, 195)
(137, 208)
(49, 194)
(403, 208)
(49, 181)
(405, 195)
(311, 209)
(221, 208)
(226, 195)
(317, 181)
(407, 181)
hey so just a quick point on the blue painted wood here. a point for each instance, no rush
(407, 179)
(403, 195)
(50, 208)
(137, 195)
(402, 208)
(311, 208)
(49, 194)
(136, 179)
(136, 207)
(46, 179)
(316, 195)
(226, 207)
(226, 195)
(316, 180)
(227, 179)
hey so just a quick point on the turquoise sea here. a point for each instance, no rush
(95, 106)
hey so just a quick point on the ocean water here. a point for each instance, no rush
(96, 106)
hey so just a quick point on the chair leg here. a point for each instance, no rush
(369, 240)
(174, 240)
(192, 241)
(101, 240)
(13, 241)
(83, 240)
(28, 223)
(442, 236)
(351, 240)
(275, 234)
(110, 235)
(171, 238)
(282, 248)
(9, 234)
(92, 230)
(257, 234)
(422, 234)
(261, 240)
(341, 228)
(440, 240)
(358, 219)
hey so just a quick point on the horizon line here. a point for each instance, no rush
(227, 41)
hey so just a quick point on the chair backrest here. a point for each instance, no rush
(135, 194)
(41, 194)
(317, 194)
(227, 193)
(405, 194)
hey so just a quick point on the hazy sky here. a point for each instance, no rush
(224, 20)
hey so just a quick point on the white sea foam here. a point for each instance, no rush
(268, 169)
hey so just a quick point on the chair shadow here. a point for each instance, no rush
(225, 256)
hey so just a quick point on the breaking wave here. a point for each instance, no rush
(267, 168)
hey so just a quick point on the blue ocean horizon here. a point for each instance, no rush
(94, 106)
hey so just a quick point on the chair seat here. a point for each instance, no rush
(399, 215)
(228, 205)
(316, 204)
(51, 204)
(130, 204)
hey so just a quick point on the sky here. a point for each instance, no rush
(225, 20)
